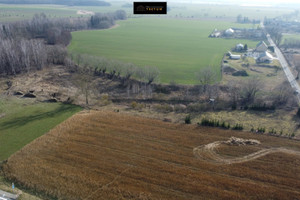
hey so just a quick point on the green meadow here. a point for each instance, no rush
(21, 12)
(290, 36)
(225, 12)
(178, 48)
(22, 121)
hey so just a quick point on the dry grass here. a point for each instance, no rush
(279, 120)
(105, 155)
(265, 72)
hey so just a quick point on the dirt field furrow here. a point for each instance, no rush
(106, 155)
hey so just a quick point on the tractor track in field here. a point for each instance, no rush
(207, 152)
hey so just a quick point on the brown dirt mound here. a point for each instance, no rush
(208, 152)
(241, 141)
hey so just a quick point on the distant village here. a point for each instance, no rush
(261, 53)
(255, 33)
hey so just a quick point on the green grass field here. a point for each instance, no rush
(228, 12)
(21, 12)
(290, 36)
(23, 120)
(179, 48)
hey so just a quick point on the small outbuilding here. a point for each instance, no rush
(234, 57)
(239, 47)
(215, 34)
(229, 32)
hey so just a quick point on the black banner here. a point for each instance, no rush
(147, 8)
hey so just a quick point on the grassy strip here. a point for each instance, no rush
(23, 120)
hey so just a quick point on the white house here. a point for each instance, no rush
(264, 57)
(239, 47)
(261, 47)
(215, 34)
(229, 32)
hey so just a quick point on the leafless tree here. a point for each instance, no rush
(234, 92)
(56, 54)
(296, 63)
(275, 33)
(206, 77)
(84, 82)
(282, 93)
(128, 71)
(140, 74)
(151, 74)
(250, 88)
(21, 55)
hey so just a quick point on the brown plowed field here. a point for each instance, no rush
(106, 155)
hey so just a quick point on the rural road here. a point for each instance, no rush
(7, 196)
(284, 64)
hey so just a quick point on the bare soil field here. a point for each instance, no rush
(111, 155)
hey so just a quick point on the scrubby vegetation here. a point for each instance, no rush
(214, 123)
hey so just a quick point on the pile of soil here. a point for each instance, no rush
(241, 141)
(228, 69)
(240, 73)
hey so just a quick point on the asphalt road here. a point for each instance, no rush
(285, 66)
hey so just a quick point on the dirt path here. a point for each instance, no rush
(208, 153)
(84, 12)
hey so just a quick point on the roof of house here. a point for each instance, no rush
(266, 55)
(229, 31)
(261, 47)
(261, 43)
(232, 56)
(240, 45)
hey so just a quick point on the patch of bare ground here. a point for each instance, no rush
(109, 155)
(209, 151)
(58, 82)
(84, 12)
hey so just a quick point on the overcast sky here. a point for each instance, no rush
(263, 2)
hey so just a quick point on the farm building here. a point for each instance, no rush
(215, 34)
(261, 47)
(234, 57)
(229, 32)
(239, 47)
(264, 57)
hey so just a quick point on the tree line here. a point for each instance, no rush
(291, 43)
(114, 69)
(246, 20)
(59, 2)
(35, 43)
